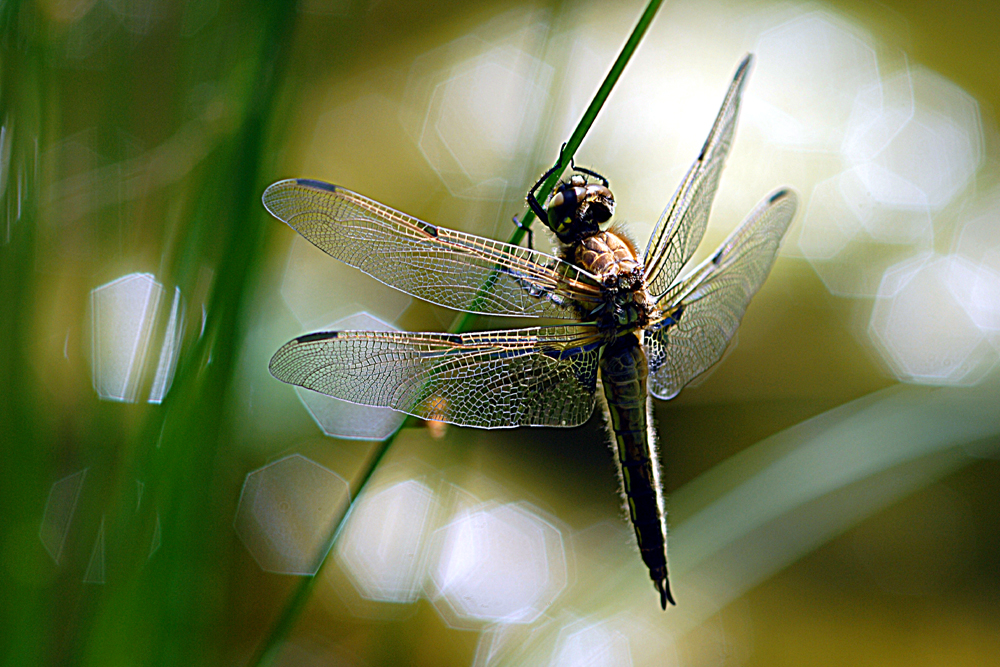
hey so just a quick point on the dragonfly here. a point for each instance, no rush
(631, 328)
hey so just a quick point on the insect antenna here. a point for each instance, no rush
(589, 172)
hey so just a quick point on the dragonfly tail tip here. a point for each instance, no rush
(663, 585)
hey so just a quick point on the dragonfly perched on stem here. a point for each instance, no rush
(632, 323)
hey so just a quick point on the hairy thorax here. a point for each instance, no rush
(612, 258)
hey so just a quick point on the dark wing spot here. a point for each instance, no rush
(319, 335)
(319, 185)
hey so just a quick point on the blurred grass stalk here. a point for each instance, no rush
(25, 461)
(768, 506)
(163, 610)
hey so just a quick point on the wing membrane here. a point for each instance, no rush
(682, 224)
(449, 268)
(706, 307)
(542, 376)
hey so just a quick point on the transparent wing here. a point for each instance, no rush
(449, 268)
(682, 224)
(542, 376)
(702, 311)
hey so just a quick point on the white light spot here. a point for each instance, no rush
(474, 106)
(122, 317)
(480, 120)
(920, 144)
(829, 224)
(498, 563)
(901, 222)
(978, 241)
(808, 73)
(593, 645)
(850, 238)
(383, 545)
(288, 511)
(921, 327)
(983, 304)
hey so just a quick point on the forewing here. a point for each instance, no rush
(542, 376)
(682, 224)
(449, 268)
(702, 312)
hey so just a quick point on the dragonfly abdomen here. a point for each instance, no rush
(623, 374)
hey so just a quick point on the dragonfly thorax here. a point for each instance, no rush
(577, 208)
(612, 258)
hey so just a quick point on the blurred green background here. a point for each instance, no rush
(832, 486)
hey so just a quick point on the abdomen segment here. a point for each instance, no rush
(623, 373)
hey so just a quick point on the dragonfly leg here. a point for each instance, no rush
(531, 197)
(526, 228)
(533, 200)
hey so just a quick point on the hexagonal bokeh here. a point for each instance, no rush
(979, 234)
(809, 71)
(287, 512)
(921, 328)
(383, 547)
(319, 289)
(497, 563)
(342, 419)
(850, 239)
(978, 240)
(591, 643)
(60, 507)
(480, 118)
(828, 223)
(983, 302)
(474, 105)
(915, 140)
(564, 639)
(897, 223)
(122, 317)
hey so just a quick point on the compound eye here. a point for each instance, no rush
(603, 192)
(600, 213)
(557, 200)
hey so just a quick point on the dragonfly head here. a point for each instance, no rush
(577, 208)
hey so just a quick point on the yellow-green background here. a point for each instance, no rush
(251, 82)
